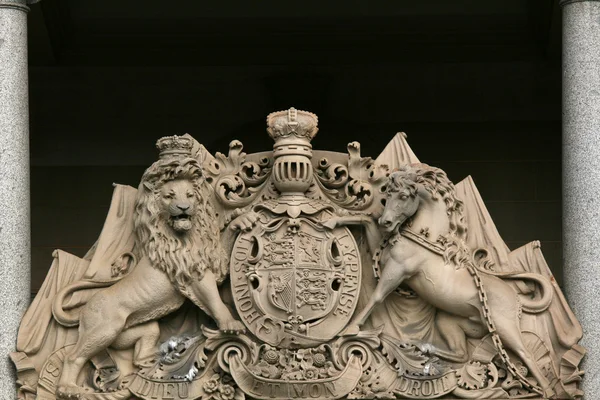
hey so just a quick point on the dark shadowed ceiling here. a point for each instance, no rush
(221, 66)
(109, 32)
(474, 83)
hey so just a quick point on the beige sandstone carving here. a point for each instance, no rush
(180, 257)
(340, 277)
(425, 248)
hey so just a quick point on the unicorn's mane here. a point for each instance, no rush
(436, 182)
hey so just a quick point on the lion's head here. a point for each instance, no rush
(175, 221)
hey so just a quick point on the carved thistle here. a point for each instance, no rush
(298, 274)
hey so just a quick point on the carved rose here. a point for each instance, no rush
(311, 373)
(211, 385)
(227, 392)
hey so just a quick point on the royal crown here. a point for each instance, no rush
(170, 146)
(302, 124)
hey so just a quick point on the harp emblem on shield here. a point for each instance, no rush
(280, 290)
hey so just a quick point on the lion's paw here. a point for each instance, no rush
(244, 222)
(232, 326)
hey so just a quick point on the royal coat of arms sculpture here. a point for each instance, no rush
(298, 274)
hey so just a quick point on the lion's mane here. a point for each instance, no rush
(182, 257)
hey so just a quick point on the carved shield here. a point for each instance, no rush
(295, 282)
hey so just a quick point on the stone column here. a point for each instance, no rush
(14, 184)
(581, 176)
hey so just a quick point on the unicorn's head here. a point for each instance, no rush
(402, 201)
(416, 186)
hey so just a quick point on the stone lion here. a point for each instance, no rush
(181, 256)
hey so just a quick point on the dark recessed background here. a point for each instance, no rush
(475, 84)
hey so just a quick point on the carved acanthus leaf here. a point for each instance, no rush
(405, 358)
(236, 181)
(358, 186)
(472, 376)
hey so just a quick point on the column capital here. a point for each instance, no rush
(565, 2)
(17, 4)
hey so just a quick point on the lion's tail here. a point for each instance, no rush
(538, 305)
(70, 317)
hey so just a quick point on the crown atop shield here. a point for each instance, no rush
(302, 124)
(171, 146)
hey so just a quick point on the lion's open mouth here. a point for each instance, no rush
(181, 222)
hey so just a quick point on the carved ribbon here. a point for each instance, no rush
(265, 388)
